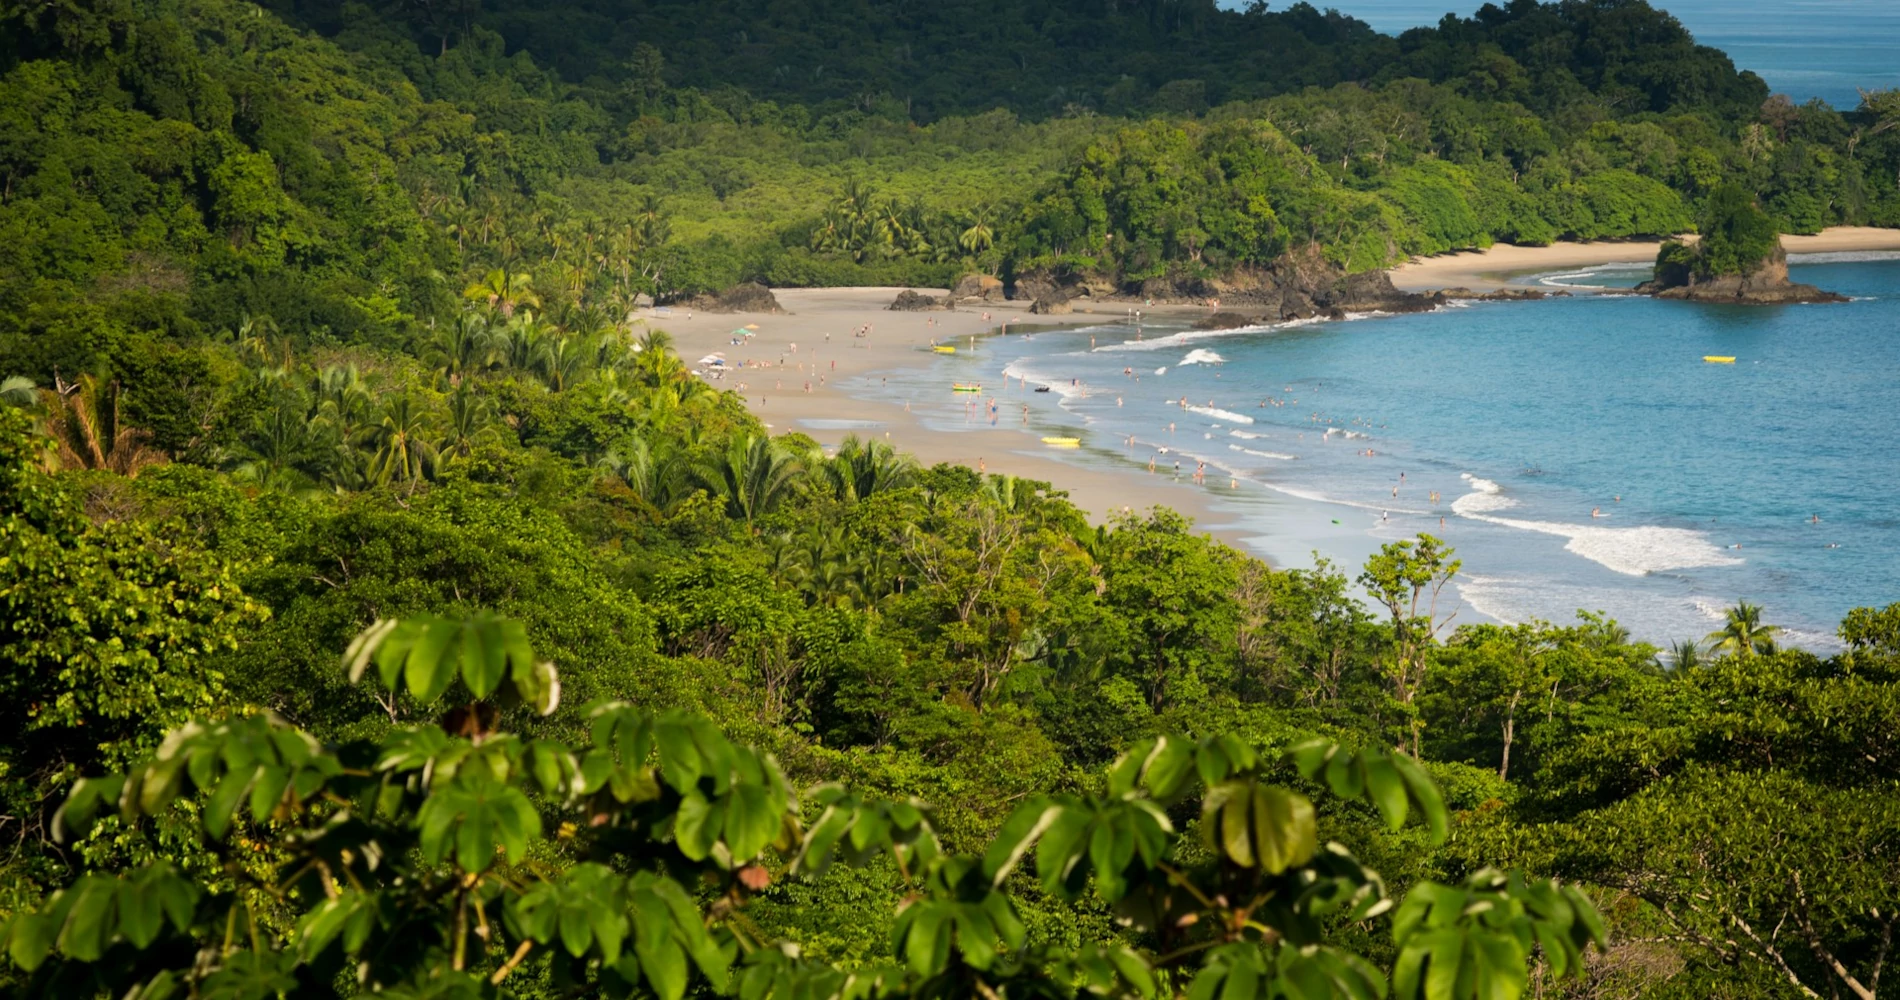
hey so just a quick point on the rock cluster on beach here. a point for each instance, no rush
(969, 288)
(1765, 284)
(911, 300)
(1301, 285)
(749, 297)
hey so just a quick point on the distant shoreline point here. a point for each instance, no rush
(1499, 266)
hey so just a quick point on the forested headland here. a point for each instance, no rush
(383, 614)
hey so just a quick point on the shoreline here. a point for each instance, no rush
(1504, 265)
(790, 350)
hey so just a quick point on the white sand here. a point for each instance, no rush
(778, 396)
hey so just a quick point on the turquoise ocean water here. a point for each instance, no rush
(1803, 48)
(1524, 417)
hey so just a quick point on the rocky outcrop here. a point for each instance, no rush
(978, 287)
(1500, 294)
(1766, 284)
(749, 297)
(1225, 320)
(1300, 285)
(910, 300)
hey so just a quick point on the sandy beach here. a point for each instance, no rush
(790, 350)
(799, 368)
(1504, 266)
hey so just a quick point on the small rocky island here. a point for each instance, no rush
(1739, 260)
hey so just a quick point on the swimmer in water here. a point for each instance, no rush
(1596, 512)
(1814, 519)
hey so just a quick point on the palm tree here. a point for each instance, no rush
(503, 291)
(753, 475)
(655, 360)
(403, 452)
(83, 418)
(861, 469)
(563, 361)
(18, 390)
(471, 421)
(1744, 635)
(463, 347)
(279, 441)
(978, 236)
(1685, 655)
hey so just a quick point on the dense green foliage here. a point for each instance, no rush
(1736, 238)
(171, 168)
(967, 642)
(319, 329)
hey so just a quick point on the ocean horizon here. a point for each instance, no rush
(1807, 49)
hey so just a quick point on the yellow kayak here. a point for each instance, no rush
(943, 349)
(965, 387)
(1060, 442)
(1718, 359)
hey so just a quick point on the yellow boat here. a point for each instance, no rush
(944, 349)
(1059, 442)
(1718, 359)
(965, 387)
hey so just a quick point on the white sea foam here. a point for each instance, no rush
(1186, 337)
(1565, 279)
(1342, 432)
(1227, 415)
(1200, 356)
(1163, 370)
(1060, 386)
(1244, 435)
(1843, 256)
(1630, 551)
(1261, 454)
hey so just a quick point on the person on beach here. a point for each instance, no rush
(981, 466)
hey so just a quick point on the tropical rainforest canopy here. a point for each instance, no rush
(382, 616)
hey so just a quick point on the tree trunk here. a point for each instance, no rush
(1510, 732)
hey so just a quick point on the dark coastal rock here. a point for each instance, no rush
(910, 300)
(1224, 320)
(1054, 305)
(978, 286)
(1500, 294)
(1766, 284)
(748, 297)
(1299, 285)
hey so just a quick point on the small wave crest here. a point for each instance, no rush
(1566, 279)
(1245, 435)
(1630, 551)
(1342, 432)
(1061, 387)
(1843, 256)
(1200, 356)
(1186, 337)
(1261, 454)
(1227, 415)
